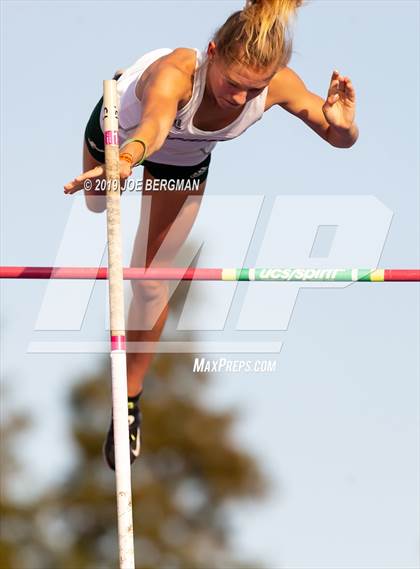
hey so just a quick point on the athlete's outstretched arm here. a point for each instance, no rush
(333, 118)
(163, 91)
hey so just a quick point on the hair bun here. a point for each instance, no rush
(259, 34)
(275, 7)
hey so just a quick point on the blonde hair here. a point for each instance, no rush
(259, 34)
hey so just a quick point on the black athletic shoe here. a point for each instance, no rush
(134, 423)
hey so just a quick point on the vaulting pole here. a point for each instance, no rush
(118, 346)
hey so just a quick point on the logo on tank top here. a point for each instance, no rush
(178, 124)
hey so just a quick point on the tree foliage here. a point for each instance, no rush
(189, 473)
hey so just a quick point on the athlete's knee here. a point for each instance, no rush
(150, 290)
(95, 203)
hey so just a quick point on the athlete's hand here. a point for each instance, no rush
(86, 180)
(340, 106)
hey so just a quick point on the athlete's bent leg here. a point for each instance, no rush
(160, 212)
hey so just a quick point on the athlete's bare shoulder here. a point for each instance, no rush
(181, 65)
(184, 58)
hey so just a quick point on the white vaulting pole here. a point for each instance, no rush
(118, 347)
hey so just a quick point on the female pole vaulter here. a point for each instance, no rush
(175, 105)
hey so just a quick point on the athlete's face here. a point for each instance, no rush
(232, 86)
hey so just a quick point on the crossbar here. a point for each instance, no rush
(209, 274)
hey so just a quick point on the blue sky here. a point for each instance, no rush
(336, 427)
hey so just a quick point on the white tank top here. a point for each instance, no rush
(185, 145)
